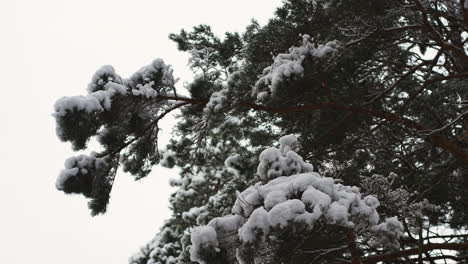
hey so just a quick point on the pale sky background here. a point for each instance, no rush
(49, 49)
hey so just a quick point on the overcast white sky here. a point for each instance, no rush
(49, 49)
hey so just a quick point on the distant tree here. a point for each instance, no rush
(372, 93)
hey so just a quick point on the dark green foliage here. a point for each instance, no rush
(377, 106)
(82, 183)
(90, 176)
(202, 37)
(123, 116)
(77, 127)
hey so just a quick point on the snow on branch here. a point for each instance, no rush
(123, 115)
(89, 175)
(106, 86)
(293, 196)
(289, 66)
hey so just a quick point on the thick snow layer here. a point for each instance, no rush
(387, 233)
(157, 69)
(273, 198)
(102, 76)
(232, 160)
(152, 80)
(105, 84)
(193, 213)
(257, 223)
(305, 198)
(217, 101)
(145, 90)
(287, 143)
(282, 162)
(325, 49)
(85, 103)
(79, 165)
(318, 196)
(289, 66)
(296, 196)
(94, 102)
(232, 164)
(203, 238)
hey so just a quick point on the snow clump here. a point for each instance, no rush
(293, 196)
(289, 66)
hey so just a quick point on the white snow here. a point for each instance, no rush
(199, 178)
(282, 162)
(257, 224)
(94, 102)
(88, 104)
(232, 160)
(316, 196)
(313, 197)
(296, 195)
(337, 213)
(287, 143)
(282, 213)
(146, 90)
(226, 224)
(102, 91)
(104, 85)
(64, 176)
(232, 163)
(387, 233)
(103, 75)
(168, 157)
(156, 67)
(217, 101)
(202, 237)
(275, 197)
(289, 66)
(79, 164)
(193, 213)
(325, 49)
(173, 182)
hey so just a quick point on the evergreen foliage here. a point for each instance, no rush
(372, 93)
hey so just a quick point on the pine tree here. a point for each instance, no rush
(372, 93)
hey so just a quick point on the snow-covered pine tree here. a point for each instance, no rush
(375, 94)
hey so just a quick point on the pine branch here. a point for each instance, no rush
(435, 139)
(447, 125)
(415, 251)
(413, 96)
(436, 34)
(148, 128)
(353, 248)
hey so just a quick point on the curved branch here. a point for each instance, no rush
(414, 251)
(148, 128)
(436, 139)
(436, 34)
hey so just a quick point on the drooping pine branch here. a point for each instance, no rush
(435, 139)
